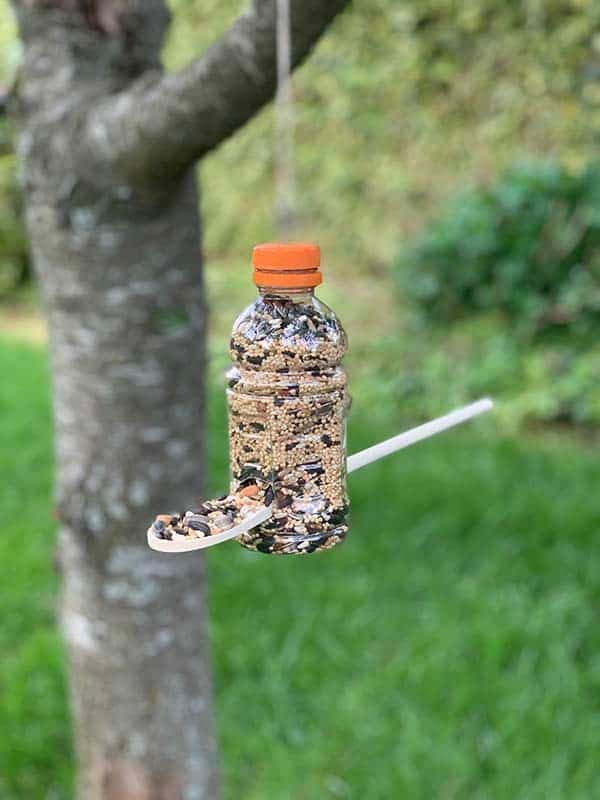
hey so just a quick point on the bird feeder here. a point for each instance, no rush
(287, 401)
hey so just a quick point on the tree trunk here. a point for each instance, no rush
(107, 145)
(120, 271)
(122, 288)
(124, 306)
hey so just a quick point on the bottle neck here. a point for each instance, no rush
(295, 295)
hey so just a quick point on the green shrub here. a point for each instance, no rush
(551, 382)
(506, 288)
(527, 245)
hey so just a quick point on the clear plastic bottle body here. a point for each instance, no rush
(288, 401)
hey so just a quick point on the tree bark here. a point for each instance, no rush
(112, 215)
(122, 288)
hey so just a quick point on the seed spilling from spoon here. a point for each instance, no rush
(211, 518)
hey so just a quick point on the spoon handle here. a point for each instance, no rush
(414, 435)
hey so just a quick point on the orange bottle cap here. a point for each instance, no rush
(287, 266)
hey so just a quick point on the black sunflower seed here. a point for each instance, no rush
(200, 526)
(338, 517)
(248, 471)
(314, 467)
(269, 496)
(193, 520)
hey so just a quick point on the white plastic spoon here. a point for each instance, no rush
(356, 461)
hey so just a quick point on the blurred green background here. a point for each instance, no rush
(446, 164)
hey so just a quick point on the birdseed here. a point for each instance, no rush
(288, 401)
(212, 517)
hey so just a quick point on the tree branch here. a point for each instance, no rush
(164, 122)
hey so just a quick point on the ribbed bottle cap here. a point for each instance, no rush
(293, 265)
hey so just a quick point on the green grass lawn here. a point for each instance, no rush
(451, 649)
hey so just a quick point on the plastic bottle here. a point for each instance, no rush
(287, 402)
